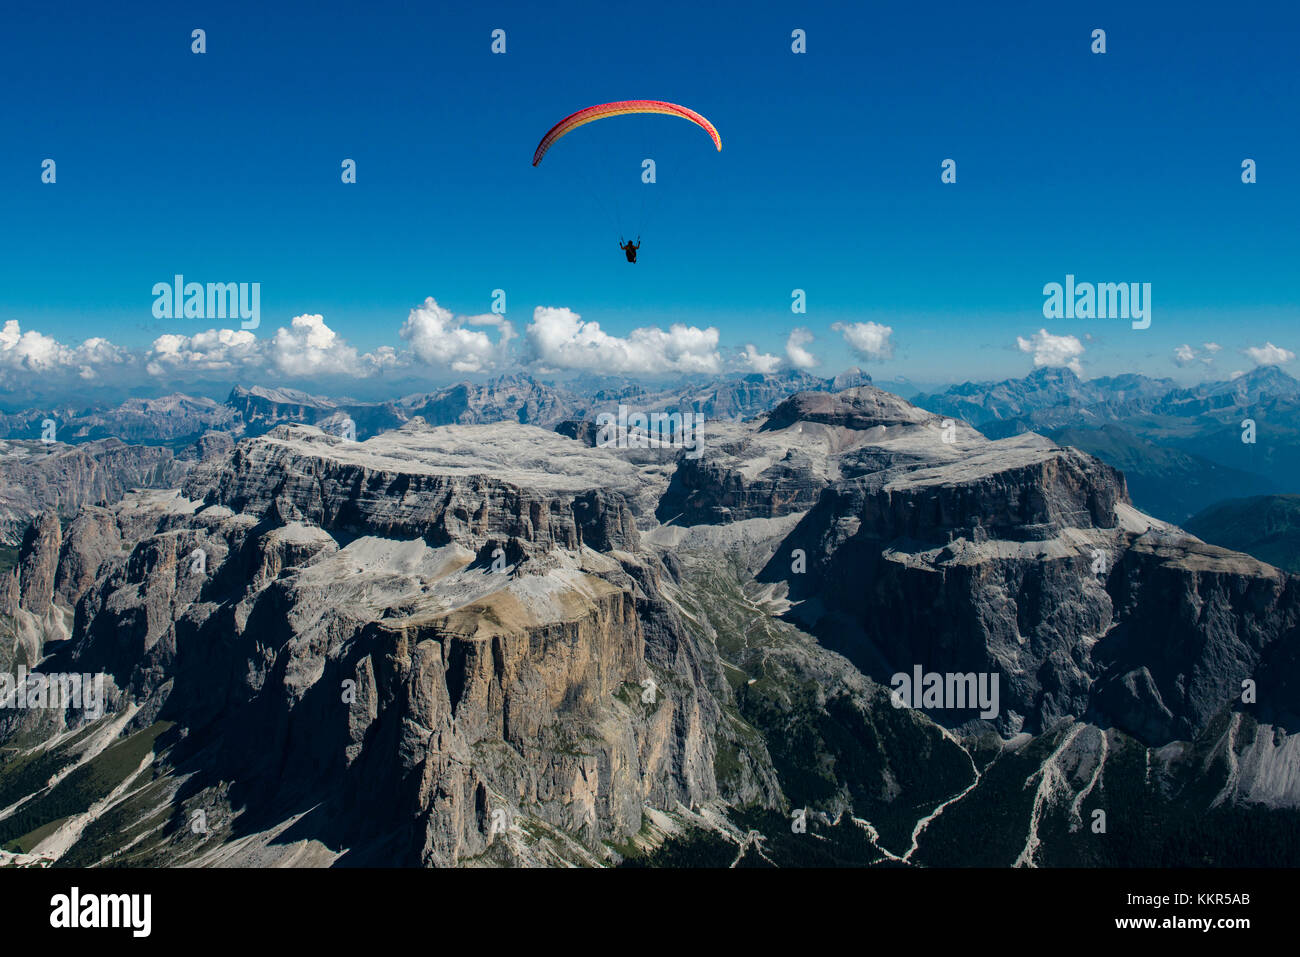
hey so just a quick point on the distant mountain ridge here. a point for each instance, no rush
(150, 443)
(1056, 397)
(252, 410)
(1181, 447)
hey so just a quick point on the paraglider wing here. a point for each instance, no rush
(603, 110)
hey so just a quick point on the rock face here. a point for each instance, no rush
(294, 475)
(807, 442)
(35, 477)
(1191, 623)
(1012, 493)
(1026, 560)
(259, 409)
(449, 654)
(713, 490)
(858, 408)
(580, 430)
(756, 393)
(515, 398)
(90, 541)
(497, 644)
(38, 564)
(210, 445)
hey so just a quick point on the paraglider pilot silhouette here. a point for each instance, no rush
(621, 108)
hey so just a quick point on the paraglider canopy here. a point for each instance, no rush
(620, 108)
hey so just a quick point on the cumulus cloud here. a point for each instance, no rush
(757, 361)
(214, 350)
(869, 340)
(35, 352)
(439, 338)
(308, 347)
(1269, 354)
(1211, 347)
(30, 351)
(92, 355)
(1184, 355)
(796, 354)
(1050, 350)
(305, 348)
(559, 339)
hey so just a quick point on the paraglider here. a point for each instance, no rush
(620, 108)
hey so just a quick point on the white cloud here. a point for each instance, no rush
(215, 350)
(31, 351)
(870, 340)
(439, 338)
(94, 353)
(757, 361)
(35, 352)
(1269, 354)
(308, 347)
(558, 338)
(796, 354)
(1050, 350)
(1185, 355)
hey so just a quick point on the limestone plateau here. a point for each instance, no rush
(499, 644)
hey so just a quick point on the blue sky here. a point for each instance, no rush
(226, 167)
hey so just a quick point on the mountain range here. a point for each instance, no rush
(150, 442)
(496, 643)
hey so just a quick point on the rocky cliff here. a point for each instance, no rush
(461, 663)
(1026, 560)
(36, 476)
